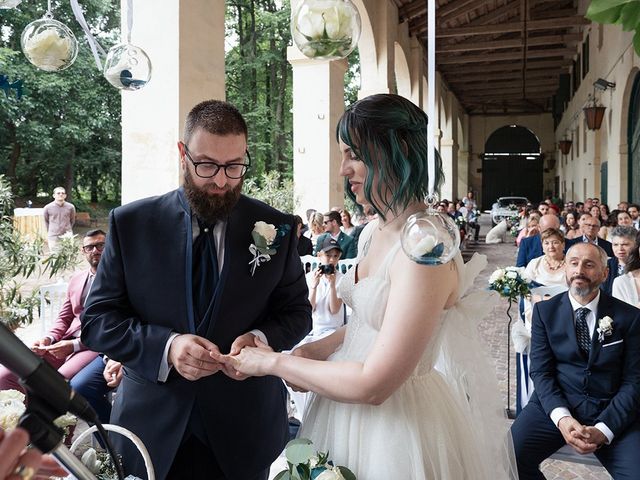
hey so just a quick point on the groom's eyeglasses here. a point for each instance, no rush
(211, 169)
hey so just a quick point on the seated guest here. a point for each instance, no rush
(570, 227)
(61, 346)
(623, 238)
(332, 223)
(625, 287)
(316, 227)
(95, 381)
(589, 227)
(347, 226)
(586, 374)
(546, 270)
(531, 247)
(305, 246)
(531, 229)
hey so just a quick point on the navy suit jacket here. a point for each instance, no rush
(605, 387)
(604, 244)
(530, 248)
(142, 294)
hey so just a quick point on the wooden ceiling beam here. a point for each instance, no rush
(503, 67)
(453, 6)
(470, 45)
(494, 15)
(552, 13)
(447, 17)
(506, 85)
(412, 9)
(564, 22)
(503, 76)
(497, 57)
(497, 96)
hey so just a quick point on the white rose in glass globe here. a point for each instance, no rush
(424, 246)
(266, 230)
(90, 460)
(338, 21)
(511, 274)
(48, 50)
(333, 474)
(311, 21)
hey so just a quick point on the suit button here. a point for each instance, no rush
(587, 373)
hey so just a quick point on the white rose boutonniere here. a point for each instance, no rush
(605, 328)
(266, 240)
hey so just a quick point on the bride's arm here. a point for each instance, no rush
(321, 349)
(417, 296)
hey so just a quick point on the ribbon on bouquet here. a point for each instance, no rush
(258, 258)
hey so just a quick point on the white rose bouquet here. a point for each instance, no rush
(306, 464)
(510, 282)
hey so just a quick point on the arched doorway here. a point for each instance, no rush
(511, 165)
(633, 140)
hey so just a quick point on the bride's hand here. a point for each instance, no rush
(251, 361)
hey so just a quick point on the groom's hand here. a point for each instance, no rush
(576, 435)
(191, 356)
(245, 340)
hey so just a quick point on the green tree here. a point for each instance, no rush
(65, 130)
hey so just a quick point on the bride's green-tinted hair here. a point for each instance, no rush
(389, 134)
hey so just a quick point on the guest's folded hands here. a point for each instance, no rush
(576, 435)
(193, 357)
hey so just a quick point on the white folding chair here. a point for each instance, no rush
(52, 297)
(309, 262)
(346, 264)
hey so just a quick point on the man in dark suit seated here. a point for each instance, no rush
(589, 227)
(623, 238)
(585, 366)
(332, 223)
(531, 247)
(305, 246)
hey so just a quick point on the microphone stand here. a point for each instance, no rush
(38, 421)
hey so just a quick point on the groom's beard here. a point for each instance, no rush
(589, 287)
(210, 207)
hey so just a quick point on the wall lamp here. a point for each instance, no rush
(602, 84)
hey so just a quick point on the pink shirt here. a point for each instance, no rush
(59, 219)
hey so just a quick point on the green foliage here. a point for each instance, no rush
(622, 12)
(65, 130)
(20, 257)
(272, 189)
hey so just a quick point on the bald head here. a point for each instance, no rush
(548, 221)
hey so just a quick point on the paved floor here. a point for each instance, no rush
(493, 331)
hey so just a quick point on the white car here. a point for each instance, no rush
(506, 207)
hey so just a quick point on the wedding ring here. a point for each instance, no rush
(24, 472)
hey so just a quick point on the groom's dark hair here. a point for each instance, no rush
(216, 117)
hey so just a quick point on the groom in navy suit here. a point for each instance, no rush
(186, 276)
(586, 373)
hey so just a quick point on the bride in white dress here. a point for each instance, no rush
(403, 391)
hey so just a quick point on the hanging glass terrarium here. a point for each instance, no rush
(326, 29)
(127, 67)
(430, 238)
(49, 44)
(9, 3)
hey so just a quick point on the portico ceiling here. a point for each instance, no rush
(500, 56)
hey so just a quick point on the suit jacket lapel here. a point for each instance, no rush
(604, 309)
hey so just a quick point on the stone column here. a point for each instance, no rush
(449, 154)
(318, 103)
(185, 42)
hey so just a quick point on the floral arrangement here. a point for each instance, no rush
(460, 221)
(325, 28)
(605, 328)
(49, 45)
(306, 464)
(99, 463)
(510, 282)
(266, 240)
(12, 407)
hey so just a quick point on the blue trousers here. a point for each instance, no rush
(535, 438)
(90, 383)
